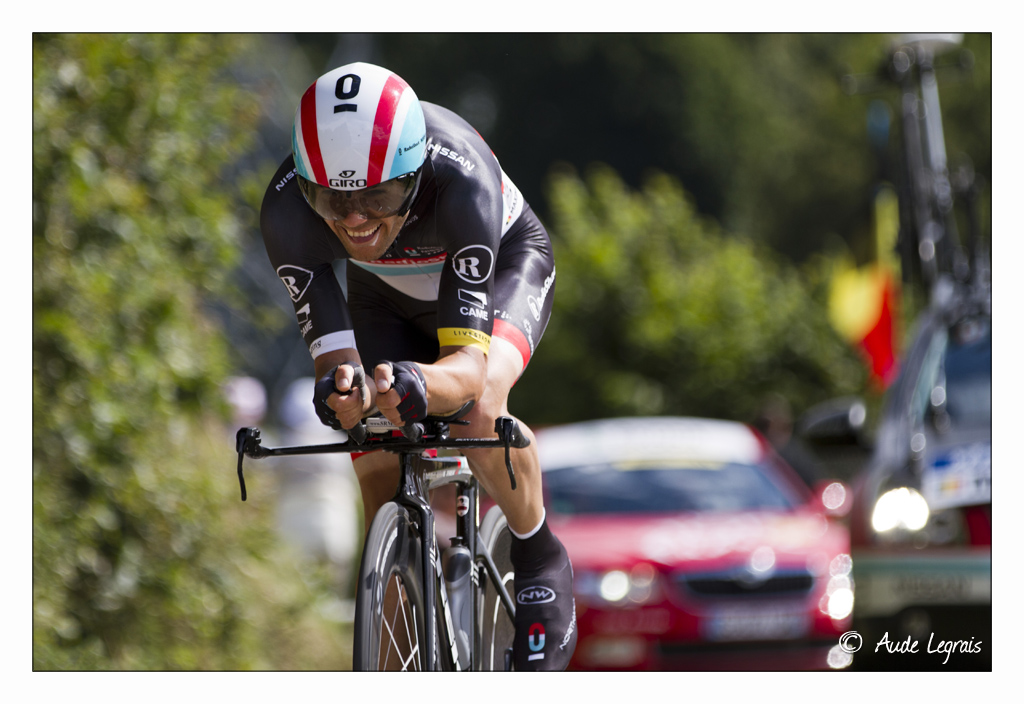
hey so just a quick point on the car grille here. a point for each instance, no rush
(741, 583)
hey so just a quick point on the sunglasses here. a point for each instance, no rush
(392, 197)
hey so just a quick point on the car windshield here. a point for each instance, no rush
(968, 372)
(660, 488)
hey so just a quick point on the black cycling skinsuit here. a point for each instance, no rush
(471, 261)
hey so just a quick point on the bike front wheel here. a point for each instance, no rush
(497, 629)
(390, 623)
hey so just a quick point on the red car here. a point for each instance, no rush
(695, 547)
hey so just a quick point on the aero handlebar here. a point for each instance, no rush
(432, 434)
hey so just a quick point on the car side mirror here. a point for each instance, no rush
(836, 422)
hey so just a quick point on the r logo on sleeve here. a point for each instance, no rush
(474, 263)
(295, 279)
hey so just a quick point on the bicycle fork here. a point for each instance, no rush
(409, 495)
(413, 495)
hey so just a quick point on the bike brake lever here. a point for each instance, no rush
(247, 442)
(508, 430)
(241, 478)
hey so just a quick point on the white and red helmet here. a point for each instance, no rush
(359, 127)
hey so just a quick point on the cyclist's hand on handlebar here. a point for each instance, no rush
(401, 392)
(354, 399)
(341, 396)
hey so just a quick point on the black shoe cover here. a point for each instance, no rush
(545, 618)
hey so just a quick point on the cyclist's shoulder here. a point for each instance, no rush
(282, 188)
(465, 183)
(456, 150)
(289, 226)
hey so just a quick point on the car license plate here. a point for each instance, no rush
(887, 583)
(768, 623)
(959, 477)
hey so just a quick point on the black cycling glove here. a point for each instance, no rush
(326, 386)
(412, 390)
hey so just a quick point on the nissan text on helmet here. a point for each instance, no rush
(359, 142)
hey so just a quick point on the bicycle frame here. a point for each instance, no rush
(418, 475)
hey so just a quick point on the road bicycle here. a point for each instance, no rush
(929, 241)
(418, 607)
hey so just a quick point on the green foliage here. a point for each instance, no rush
(656, 311)
(143, 557)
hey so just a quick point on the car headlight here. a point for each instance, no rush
(618, 587)
(900, 508)
(838, 600)
(614, 586)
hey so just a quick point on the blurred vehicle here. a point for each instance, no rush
(922, 518)
(695, 547)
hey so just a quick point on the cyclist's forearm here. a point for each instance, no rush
(329, 360)
(456, 377)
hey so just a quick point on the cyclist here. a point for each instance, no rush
(450, 278)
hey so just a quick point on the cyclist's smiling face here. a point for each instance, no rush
(367, 238)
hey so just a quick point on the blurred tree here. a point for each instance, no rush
(657, 311)
(143, 557)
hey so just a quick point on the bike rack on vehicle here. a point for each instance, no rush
(929, 242)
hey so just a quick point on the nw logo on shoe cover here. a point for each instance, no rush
(535, 595)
